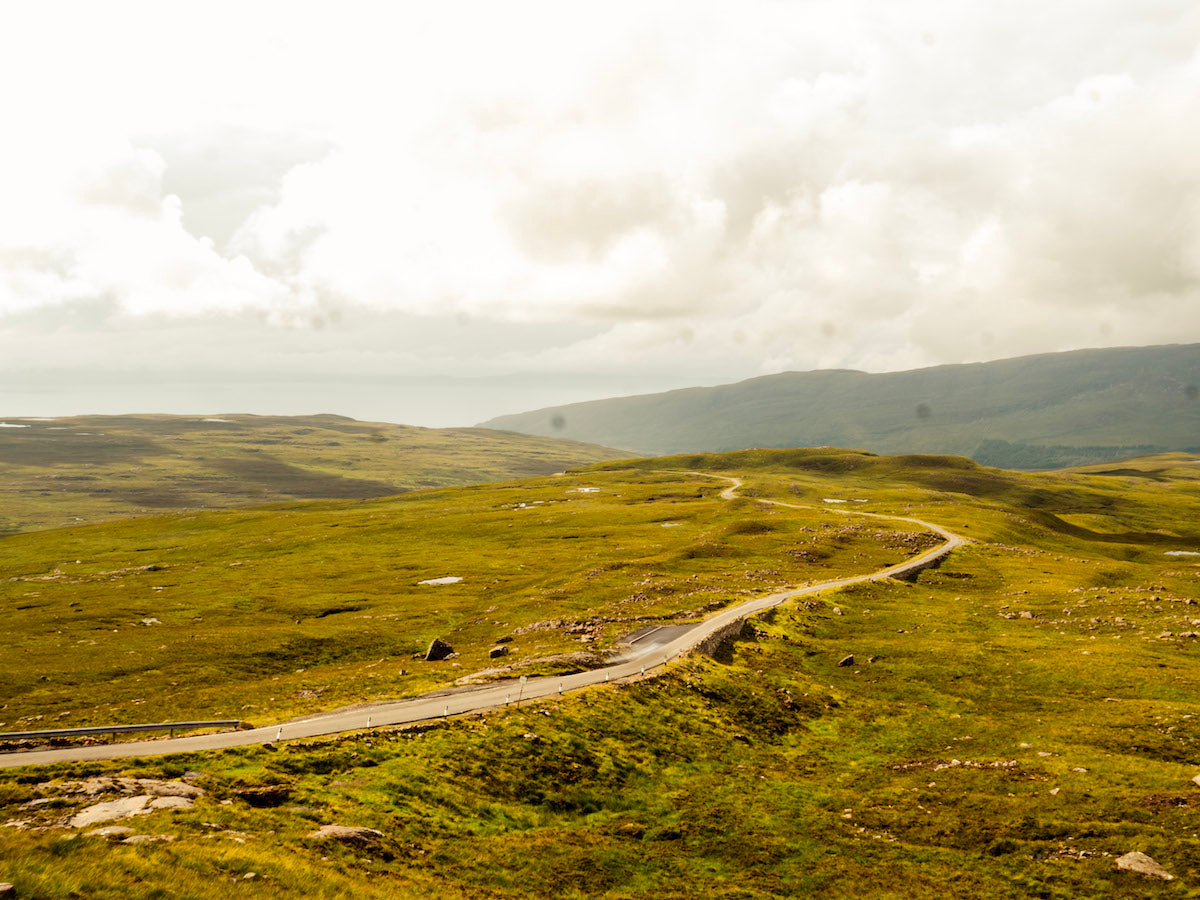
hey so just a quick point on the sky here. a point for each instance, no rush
(437, 213)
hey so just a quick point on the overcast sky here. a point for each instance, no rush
(439, 212)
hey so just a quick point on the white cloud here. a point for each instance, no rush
(702, 187)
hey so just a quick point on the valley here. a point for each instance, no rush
(1007, 723)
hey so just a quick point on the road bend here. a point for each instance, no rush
(643, 659)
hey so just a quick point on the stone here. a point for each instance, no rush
(170, 788)
(137, 805)
(1026, 614)
(1196, 780)
(170, 803)
(846, 660)
(7, 889)
(148, 839)
(265, 795)
(111, 809)
(112, 832)
(498, 651)
(837, 610)
(347, 834)
(438, 650)
(1143, 865)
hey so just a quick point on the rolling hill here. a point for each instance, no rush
(1010, 723)
(68, 471)
(1034, 412)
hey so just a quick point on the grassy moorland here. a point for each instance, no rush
(1013, 720)
(277, 611)
(67, 471)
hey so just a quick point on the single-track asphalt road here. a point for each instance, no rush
(646, 655)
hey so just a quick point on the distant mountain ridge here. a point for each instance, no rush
(1032, 412)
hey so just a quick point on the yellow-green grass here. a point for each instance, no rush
(277, 611)
(61, 472)
(970, 750)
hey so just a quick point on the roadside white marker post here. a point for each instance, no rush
(279, 733)
(521, 693)
(368, 721)
(643, 670)
(560, 686)
(606, 676)
(445, 712)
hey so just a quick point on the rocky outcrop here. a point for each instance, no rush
(353, 835)
(264, 795)
(137, 805)
(1143, 865)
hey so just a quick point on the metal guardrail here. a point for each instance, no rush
(116, 729)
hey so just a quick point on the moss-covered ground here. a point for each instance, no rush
(1012, 721)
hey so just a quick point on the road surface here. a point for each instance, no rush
(651, 649)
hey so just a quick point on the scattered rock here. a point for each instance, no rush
(170, 788)
(1026, 614)
(846, 660)
(39, 803)
(170, 803)
(837, 610)
(1143, 865)
(264, 795)
(151, 621)
(1196, 780)
(7, 890)
(148, 839)
(507, 639)
(498, 651)
(112, 832)
(347, 834)
(438, 650)
(250, 876)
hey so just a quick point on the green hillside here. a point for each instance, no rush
(1007, 724)
(1035, 412)
(56, 472)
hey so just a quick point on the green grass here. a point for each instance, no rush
(277, 611)
(66, 471)
(1014, 719)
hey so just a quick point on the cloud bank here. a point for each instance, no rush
(712, 189)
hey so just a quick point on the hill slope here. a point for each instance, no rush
(1032, 412)
(56, 472)
(1010, 723)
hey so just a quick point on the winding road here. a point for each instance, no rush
(648, 652)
